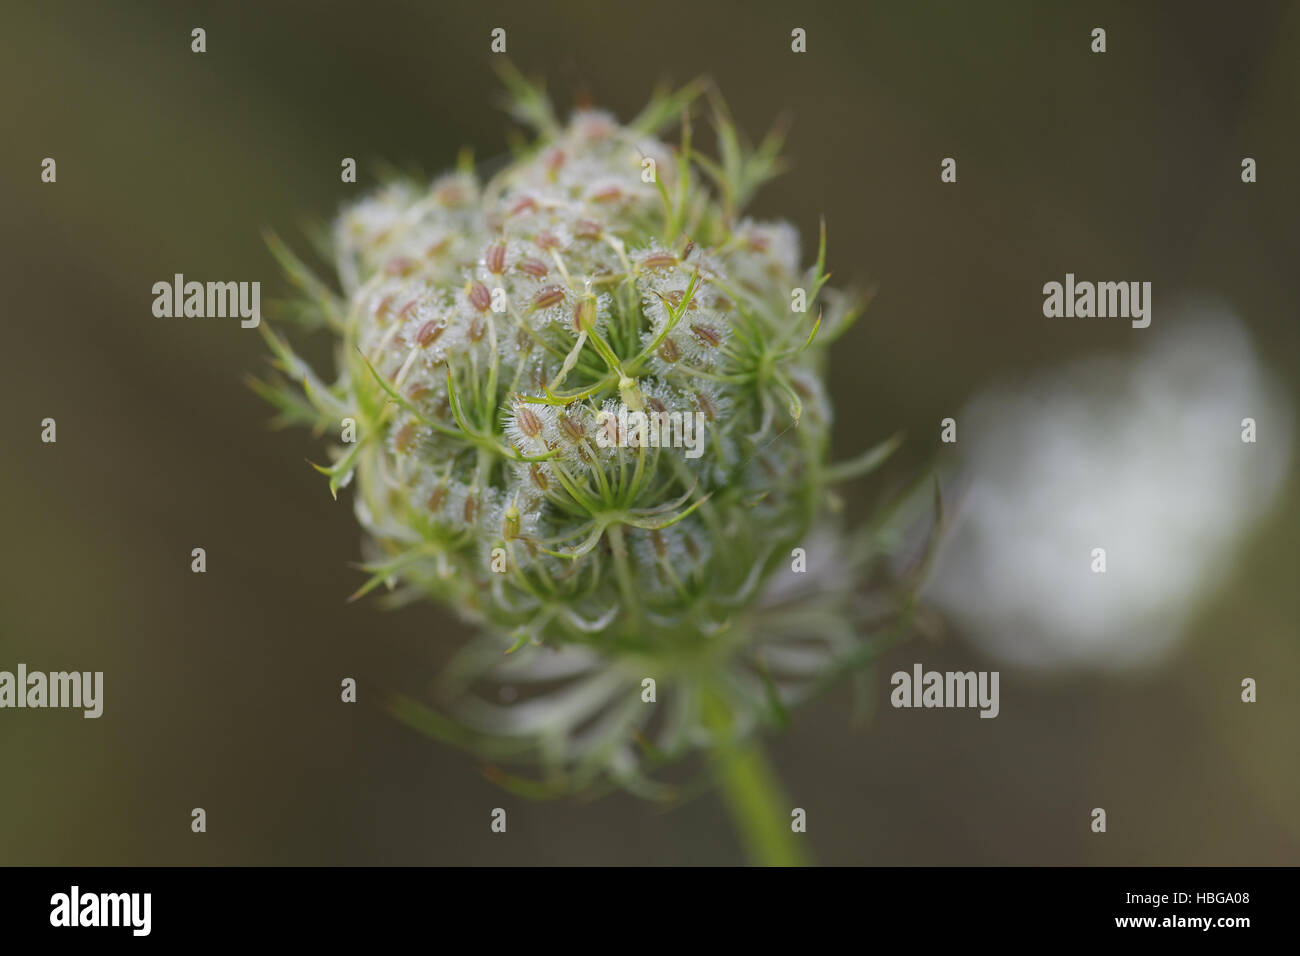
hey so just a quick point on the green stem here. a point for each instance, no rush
(760, 810)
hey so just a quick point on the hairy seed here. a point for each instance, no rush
(572, 427)
(660, 260)
(707, 335)
(706, 406)
(479, 296)
(405, 437)
(551, 295)
(533, 267)
(528, 421)
(429, 333)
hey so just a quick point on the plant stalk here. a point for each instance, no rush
(759, 807)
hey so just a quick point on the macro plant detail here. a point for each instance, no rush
(494, 337)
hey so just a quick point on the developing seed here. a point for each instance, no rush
(572, 428)
(533, 267)
(707, 406)
(669, 351)
(495, 258)
(659, 260)
(405, 437)
(584, 313)
(551, 295)
(479, 296)
(429, 333)
(528, 421)
(706, 335)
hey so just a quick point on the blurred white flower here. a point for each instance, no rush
(1142, 456)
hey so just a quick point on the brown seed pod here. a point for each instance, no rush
(430, 332)
(706, 406)
(659, 260)
(405, 437)
(479, 296)
(533, 267)
(572, 428)
(707, 335)
(551, 295)
(528, 421)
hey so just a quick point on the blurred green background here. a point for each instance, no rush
(222, 689)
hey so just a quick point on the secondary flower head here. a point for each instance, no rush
(589, 415)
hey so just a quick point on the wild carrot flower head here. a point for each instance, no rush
(588, 413)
